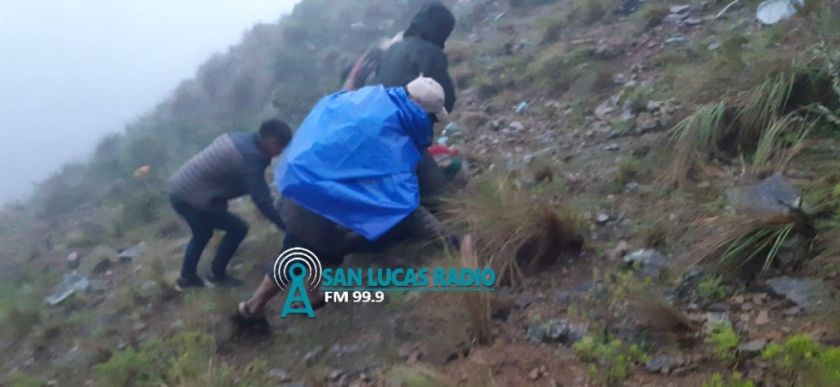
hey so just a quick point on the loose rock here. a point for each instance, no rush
(753, 347)
(808, 293)
(279, 374)
(73, 260)
(651, 262)
(132, 252)
(556, 331)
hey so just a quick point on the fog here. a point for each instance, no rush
(73, 70)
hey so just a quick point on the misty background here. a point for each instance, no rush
(75, 70)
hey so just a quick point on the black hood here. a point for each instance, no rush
(433, 23)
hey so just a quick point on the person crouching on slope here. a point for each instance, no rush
(233, 165)
(349, 180)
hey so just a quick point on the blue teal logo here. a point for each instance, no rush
(297, 270)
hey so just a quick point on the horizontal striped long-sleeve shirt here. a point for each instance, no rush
(230, 167)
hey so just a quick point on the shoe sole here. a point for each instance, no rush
(180, 289)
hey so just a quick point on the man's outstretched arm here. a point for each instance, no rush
(260, 194)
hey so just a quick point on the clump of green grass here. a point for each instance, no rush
(692, 139)
(761, 106)
(653, 15)
(801, 360)
(19, 379)
(733, 380)
(779, 143)
(711, 288)
(636, 98)
(186, 359)
(512, 226)
(724, 342)
(730, 244)
(610, 360)
(589, 12)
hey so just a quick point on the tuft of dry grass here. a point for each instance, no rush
(729, 244)
(512, 227)
(654, 312)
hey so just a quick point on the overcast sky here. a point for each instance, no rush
(73, 70)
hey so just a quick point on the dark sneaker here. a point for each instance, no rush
(224, 282)
(183, 283)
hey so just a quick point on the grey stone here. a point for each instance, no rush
(556, 331)
(73, 260)
(752, 348)
(693, 21)
(611, 148)
(70, 284)
(650, 262)
(132, 252)
(653, 105)
(659, 364)
(720, 307)
(516, 126)
(279, 374)
(808, 293)
(680, 8)
(603, 218)
(771, 195)
(675, 40)
(309, 357)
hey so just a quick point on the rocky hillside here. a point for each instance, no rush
(652, 180)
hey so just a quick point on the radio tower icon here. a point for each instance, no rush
(296, 270)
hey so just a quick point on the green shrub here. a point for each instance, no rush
(18, 379)
(610, 359)
(734, 380)
(187, 359)
(801, 360)
(129, 368)
(711, 288)
(724, 341)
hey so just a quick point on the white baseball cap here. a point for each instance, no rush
(429, 94)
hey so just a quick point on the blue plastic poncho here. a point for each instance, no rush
(353, 159)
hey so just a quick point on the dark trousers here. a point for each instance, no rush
(202, 224)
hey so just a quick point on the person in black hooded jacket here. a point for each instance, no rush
(421, 52)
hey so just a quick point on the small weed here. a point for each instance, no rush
(636, 98)
(18, 379)
(724, 342)
(610, 359)
(734, 380)
(655, 235)
(801, 360)
(653, 15)
(629, 169)
(711, 288)
(187, 359)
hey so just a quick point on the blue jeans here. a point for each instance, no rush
(202, 224)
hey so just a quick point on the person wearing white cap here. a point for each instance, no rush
(429, 95)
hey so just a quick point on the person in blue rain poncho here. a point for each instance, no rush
(348, 178)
